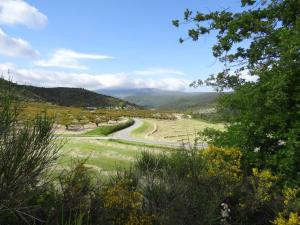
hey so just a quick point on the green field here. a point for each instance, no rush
(102, 155)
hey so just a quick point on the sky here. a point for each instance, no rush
(98, 44)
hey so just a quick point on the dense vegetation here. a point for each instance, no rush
(263, 115)
(77, 97)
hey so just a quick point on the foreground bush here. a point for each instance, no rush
(189, 187)
(27, 151)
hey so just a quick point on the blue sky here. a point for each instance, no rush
(104, 43)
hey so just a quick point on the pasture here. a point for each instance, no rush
(103, 156)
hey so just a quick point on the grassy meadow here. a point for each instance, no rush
(103, 156)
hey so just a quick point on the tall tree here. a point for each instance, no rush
(263, 39)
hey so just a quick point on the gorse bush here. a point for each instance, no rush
(189, 187)
(123, 203)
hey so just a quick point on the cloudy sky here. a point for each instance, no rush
(98, 44)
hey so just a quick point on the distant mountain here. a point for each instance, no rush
(160, 99)
(63, 96)
(125, 92)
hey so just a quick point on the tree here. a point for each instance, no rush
(264, 115)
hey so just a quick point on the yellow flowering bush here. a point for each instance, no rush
(223, 161)
(286, 217)
(289, 195)
(262, 182)
(125, 204)
(293, 219)
(119, 196)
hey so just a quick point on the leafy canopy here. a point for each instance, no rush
(263, 39)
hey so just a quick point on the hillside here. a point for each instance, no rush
(63, 96)
(159, 99)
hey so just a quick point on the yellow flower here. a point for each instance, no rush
(262, 182)
(293, 219)
(223, 161)
(289, 194)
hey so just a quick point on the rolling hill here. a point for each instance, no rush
(160, 99)
(63, 96)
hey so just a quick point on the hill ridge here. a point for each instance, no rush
(67, 96)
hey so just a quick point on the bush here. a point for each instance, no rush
(27, 151)
(181, 188)
(189, 187)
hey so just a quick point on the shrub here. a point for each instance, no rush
(76, 189)
(123, 204)
(187, 186)
(27, 151)
(290, 214)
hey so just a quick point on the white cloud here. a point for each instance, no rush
(68, 59)
(11, 46)
(245, 74)
(89, 81)
(19, 12)
(158, 71)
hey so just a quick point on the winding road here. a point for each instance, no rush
(125, 136)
